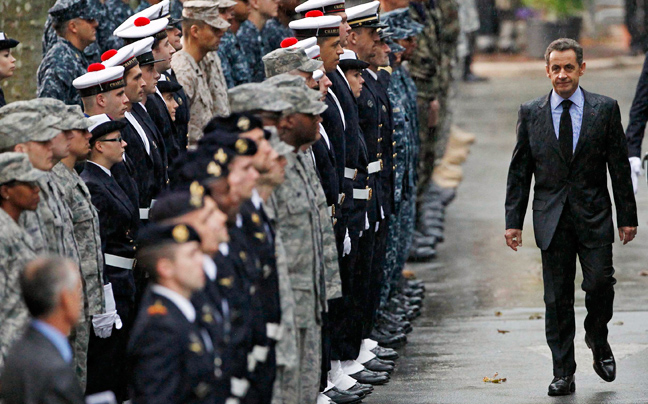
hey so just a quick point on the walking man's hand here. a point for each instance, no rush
(514, 238)
(627, 234)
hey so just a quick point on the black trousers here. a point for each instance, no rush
(559, 272)
(366, 279)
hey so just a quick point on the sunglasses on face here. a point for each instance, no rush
(117, 139)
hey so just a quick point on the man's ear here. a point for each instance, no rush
(72, 27)
(353, 37)
(20, 148)
(101, 100)
(582, 69)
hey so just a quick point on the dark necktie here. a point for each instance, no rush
(565, 132)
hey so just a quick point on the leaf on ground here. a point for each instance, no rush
(498, 314)
(618, 323)
(535, 316)
(643, 273)
(503, 331)
(494, 379)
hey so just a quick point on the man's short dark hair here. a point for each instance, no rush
(188, 22)
(564, 44)
(147, 258)
(42, 282)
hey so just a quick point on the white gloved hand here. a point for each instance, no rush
(377, 227)
(346, 244)
(103, 323)
(366, 222)
(635, 172)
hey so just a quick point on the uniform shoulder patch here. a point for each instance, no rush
(157, 309)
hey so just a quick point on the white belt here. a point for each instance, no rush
(331, 210)
(239, 387)
(362, 194)
(144, 213)
(274, 331)
(119, 262)
(350, 173)
(341, 198)
(232, 400)
(260, 353)
(375, 166)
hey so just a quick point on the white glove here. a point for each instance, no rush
(382, 213)
(346, 244)
(377, 227)
(635, 172)
(366, 222)
(103, 323)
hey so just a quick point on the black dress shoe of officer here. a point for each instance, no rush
(385, 353)
(562, 386)
(411, 292)
(369, 377)
(416, 283)
(339, 398)
(360, 388)
(359, 392)
(393, 317)
(604, 363)
(389, 327)
(385, 361)
(376, 366)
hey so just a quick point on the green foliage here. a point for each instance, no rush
(556, 8)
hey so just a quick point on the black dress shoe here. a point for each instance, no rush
(604, 363)
(369, 377)
(562, 386)
(385, 361)
(416, 283)
(377, 366)
(358, 389)
(385, 353)
(359, 392)
(339, 398)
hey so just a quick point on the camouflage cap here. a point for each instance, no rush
(256, 97)
(286, 80)
(284, 60)
(303, 100)
(65, 10)
(72, 117)
(26, 126)
(395, 47)
(206, 11)
(16, 167)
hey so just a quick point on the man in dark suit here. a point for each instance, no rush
(118, 224)
(566, 140)
(39, 366)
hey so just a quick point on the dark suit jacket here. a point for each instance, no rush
(35, 373)
(182, 113)
(118, 226)
(581, 183)
(157, 110)
(332, 123)
(638, 114)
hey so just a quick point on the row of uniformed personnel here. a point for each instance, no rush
(317, 188)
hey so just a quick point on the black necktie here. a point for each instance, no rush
(565, 132)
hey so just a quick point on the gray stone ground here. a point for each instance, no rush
(456, 342)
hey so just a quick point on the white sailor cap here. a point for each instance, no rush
(143, 27)
(365, 15)
(102, 126)
(313, 52)
(98, 120)
(124, 57)
(318, 74)
(325, 6)
(143, 51)
(303, 44)
(99, 79)
(316, 24)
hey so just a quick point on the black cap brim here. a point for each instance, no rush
(8, 44)
(353, 64)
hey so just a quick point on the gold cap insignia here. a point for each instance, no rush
(256, 219)
(227, 282)
(180, 233)
(243, 255)
(220, 156)
(241, 146)
(214, 169)
(243, 124)
(197, 192)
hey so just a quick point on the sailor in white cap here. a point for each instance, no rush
(364, 21)
(102, 91)
(329, 7)
(327, 31)
(197, 65)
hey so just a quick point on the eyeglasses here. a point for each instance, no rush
(117, 139)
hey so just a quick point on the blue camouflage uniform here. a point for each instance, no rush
(275, 32)
(119, 11)
(255, 47)
(233, 61)
(60, 66)
(176, 9)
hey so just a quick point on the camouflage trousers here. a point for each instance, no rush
(79, 340)
(301, 384)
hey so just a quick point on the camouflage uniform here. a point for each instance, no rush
(143, 5)
(60, 66)
(274, 32)
(298, 225)
(86, 233)
(255, 47)
(233, 61)
(176, 9)
(119, 11)
(199, 82)
(16, 249)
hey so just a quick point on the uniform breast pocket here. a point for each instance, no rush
(298, 203)
(83, 214)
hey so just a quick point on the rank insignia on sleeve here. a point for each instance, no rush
(157, 309)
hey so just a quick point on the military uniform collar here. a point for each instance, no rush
(182, 303)
(256, 199)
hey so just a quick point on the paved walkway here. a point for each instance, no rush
(456, 342)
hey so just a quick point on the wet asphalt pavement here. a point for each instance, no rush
(456, 342)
